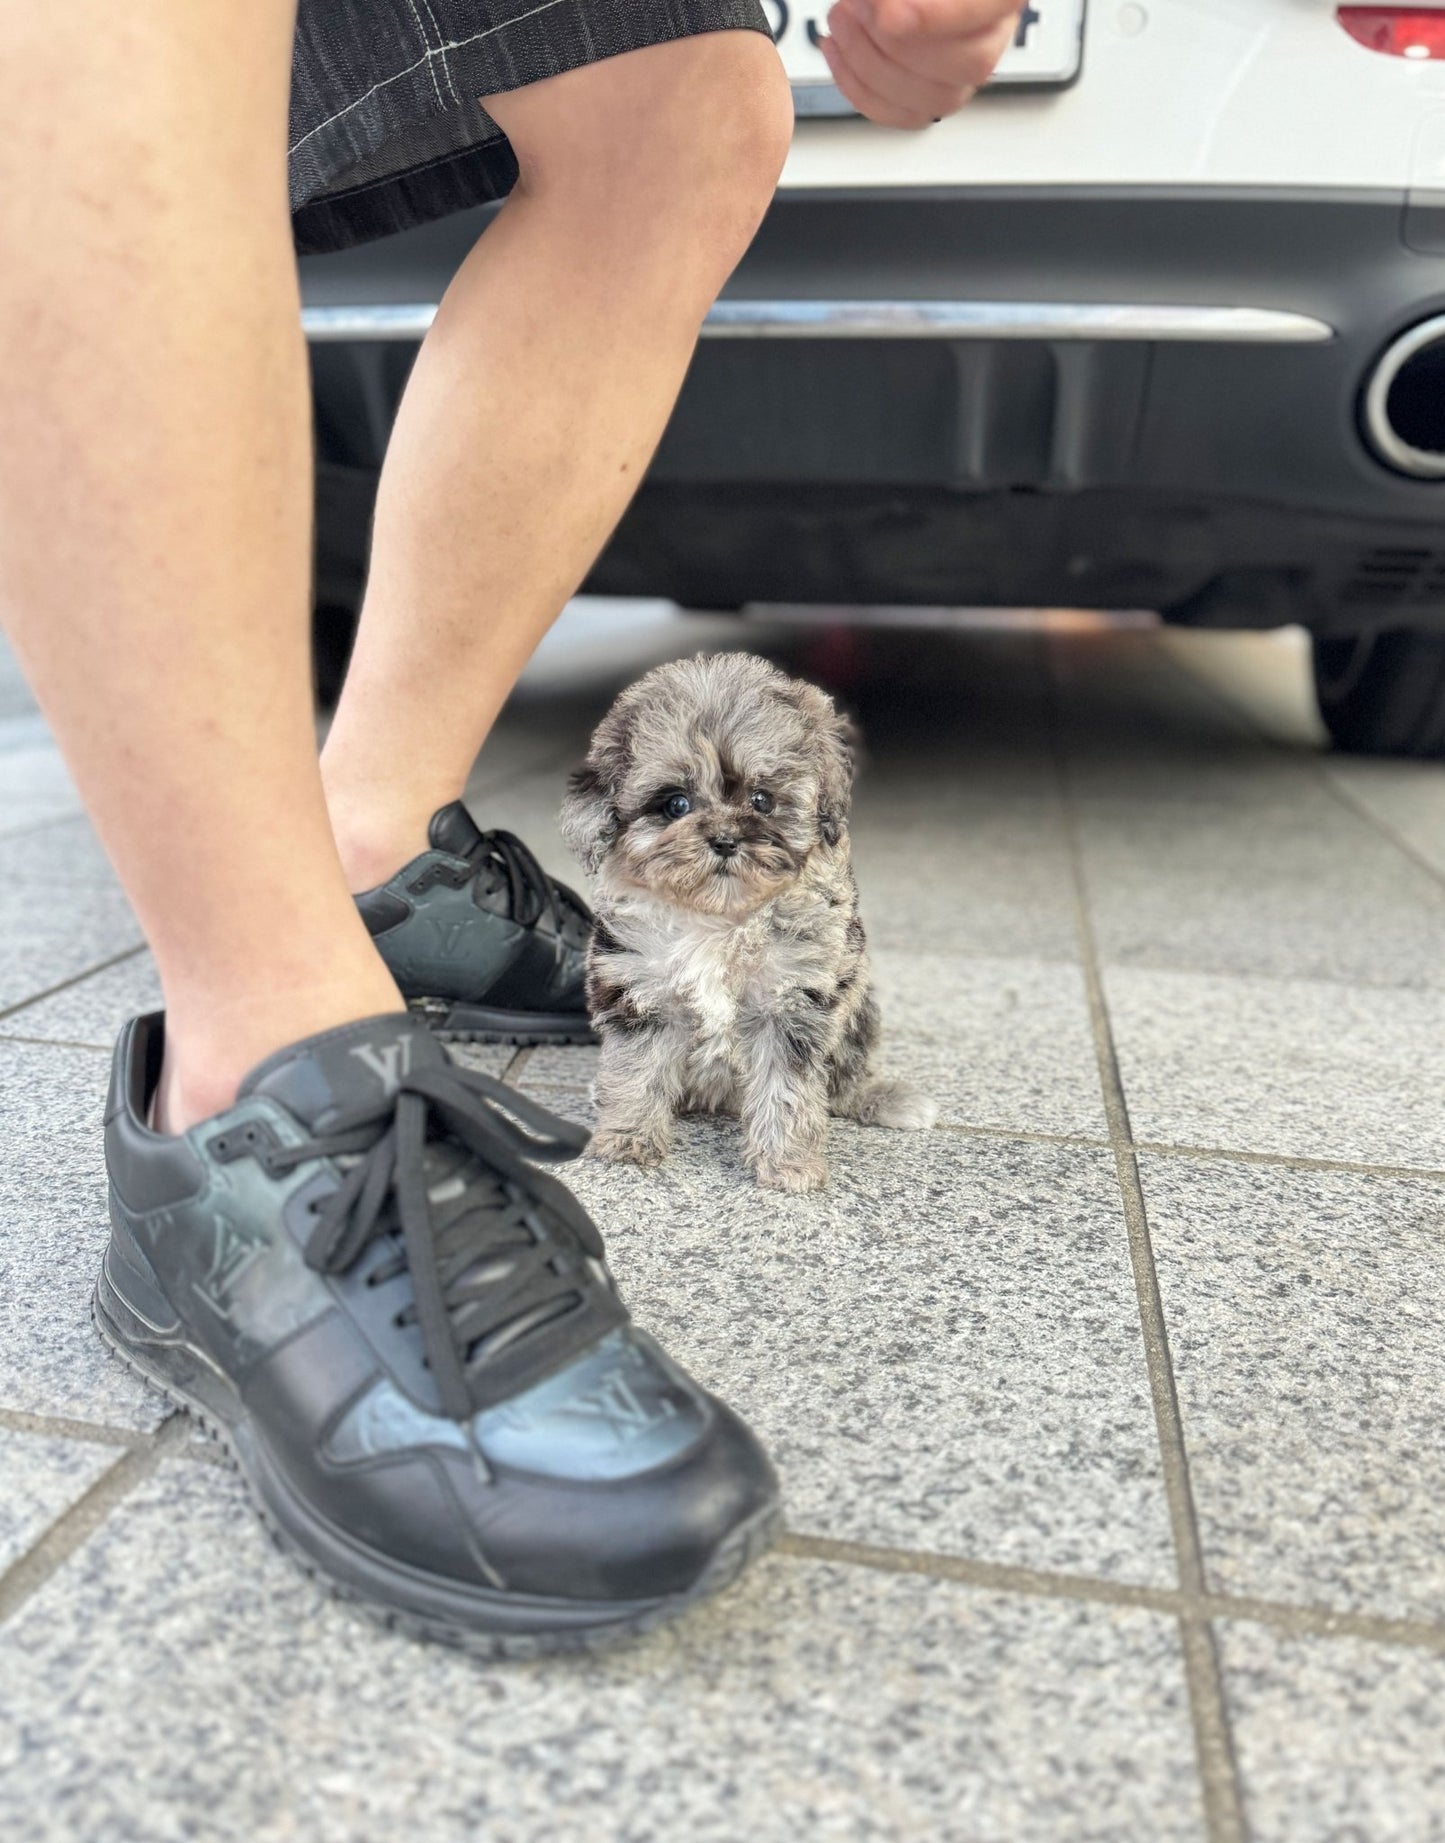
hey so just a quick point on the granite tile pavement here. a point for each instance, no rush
(1108, 1411)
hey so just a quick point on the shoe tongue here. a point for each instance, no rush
(357, 1066)
(453, 829)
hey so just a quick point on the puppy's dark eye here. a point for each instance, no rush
(677, 806)
(762, 802)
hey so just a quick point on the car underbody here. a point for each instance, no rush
(1211, 400)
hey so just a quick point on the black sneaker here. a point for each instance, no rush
(408, 1338)
(481, 940)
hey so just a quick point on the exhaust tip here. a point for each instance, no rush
(1404, 407)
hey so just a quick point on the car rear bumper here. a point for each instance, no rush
(1009, 373)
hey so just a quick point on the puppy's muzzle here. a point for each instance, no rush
(724, 844)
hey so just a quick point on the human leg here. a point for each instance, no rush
(536, 402)
(154, 505)
(355, 1272)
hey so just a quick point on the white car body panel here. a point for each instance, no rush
(1208, 93)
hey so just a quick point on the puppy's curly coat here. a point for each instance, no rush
(728, 971)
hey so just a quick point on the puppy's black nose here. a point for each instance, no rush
(724, 845)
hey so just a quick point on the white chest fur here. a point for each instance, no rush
(710, 970)
(688, 963)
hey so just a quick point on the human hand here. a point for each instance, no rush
(906, 63)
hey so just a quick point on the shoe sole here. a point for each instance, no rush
(460, 1023)
(481, 1623)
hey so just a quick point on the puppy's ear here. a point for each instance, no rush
(589, 819)
(835, 740)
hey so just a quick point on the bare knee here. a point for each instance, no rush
(743, 122)
(672, 151)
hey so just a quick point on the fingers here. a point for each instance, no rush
(989, 47)
(866, 101)
(965, 58)
(947, 18)
(906, 63)
(918, 93)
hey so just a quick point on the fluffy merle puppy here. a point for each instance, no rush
(727, 971)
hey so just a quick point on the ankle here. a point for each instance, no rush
(375, 838)
(190, 1090)
(372, 859)
(212, 1047)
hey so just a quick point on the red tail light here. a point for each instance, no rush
(1398, 31)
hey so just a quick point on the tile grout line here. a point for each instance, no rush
(1324, 1621)
(934, 1564)
(1223, 1802)
(64, 985)
(1352, 801)
(937, 1564)
(1002, 1577)
(1289, 1161)
(62, 1427)
(965, 1129)
(1090, 1142)
(14, 1036)
(1316, 765)
(74, 1528)
(1044, 1583)
(1222, 1798)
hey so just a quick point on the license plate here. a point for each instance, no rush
(1047, 49)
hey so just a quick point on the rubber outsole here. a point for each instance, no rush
(601, 1627)
(459, 1023)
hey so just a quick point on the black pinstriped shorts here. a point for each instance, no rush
(386, 128)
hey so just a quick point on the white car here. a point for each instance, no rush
(1158, 321)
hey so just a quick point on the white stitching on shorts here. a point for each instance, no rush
(422, 34)
(446, 65)
(441, 51)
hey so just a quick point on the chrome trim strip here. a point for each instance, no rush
(1388, 443)
(330, 325)
(804, 319)
(1009, 320)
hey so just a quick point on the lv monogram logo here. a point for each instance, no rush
(615, 1402)
(388, 1062)
(232, 1252)
(449, 937)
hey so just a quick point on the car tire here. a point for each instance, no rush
(1383, 693)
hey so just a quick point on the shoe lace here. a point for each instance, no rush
(531, 893)
(496, 1249)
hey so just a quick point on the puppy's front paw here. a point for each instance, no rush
(800, 1171)
(621, 1147)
